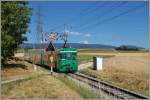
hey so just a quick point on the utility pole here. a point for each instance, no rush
(65, 28)
(40, 31)
(65, 35)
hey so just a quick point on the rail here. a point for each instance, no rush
(107, 87)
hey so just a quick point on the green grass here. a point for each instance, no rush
(82, 91)
(84, 58)
(87, 50)
(88, 58)
(103, 50)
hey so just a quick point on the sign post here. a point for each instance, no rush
(51, 49)
(51, 62)
(35, 67)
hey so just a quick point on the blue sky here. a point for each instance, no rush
(94, 22)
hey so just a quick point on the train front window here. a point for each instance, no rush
(74, 56)
(63, 56)
(70, 56)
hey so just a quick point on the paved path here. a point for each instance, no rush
(85, 65)
(16, 79)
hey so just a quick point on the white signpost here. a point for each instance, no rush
(35, 67)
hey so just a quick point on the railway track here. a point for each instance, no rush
(107, 87)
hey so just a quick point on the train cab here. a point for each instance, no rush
(67, 60)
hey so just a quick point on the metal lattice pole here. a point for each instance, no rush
(39, 35)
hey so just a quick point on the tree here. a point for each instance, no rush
(15, 18)
(126, 47)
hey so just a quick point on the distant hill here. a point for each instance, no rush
(59, 45)
(74, 45)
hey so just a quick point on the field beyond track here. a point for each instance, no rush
(128, 69)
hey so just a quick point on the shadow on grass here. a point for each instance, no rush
(9, 66)
(43, 66)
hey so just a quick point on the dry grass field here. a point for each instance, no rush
(131, 62)
(42, 87)
(128, 70)
(39, 86)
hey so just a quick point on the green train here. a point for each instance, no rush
(65, 59)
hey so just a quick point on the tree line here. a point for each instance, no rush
(127, 48)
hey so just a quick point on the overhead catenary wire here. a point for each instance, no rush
(90, 11)
(86, 27)
(110, 10)
(95, 24)
(89, 8)
(82, 12)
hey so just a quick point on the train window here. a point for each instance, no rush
(70, 56)
(74, 56)
(63, 56)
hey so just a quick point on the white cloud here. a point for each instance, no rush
(75, 33)
(85, 42)
(67, 31)
(78, 33)
(87, 35)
